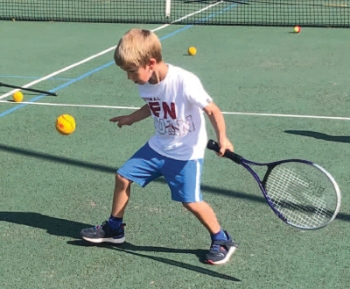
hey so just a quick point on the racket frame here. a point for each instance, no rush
(212, 145)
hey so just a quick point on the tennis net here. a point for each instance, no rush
(329, 13)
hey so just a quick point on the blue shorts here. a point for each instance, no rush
(183, 177)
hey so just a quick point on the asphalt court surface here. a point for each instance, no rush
(284, 96)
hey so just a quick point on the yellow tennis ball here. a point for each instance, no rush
(297, 29)
(17, 96)
(65, 124)
(192, 50)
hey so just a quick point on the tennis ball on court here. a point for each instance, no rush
(17, 96)
(192, 50)
(297, 29)
(65, 124)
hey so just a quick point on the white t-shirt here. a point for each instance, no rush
(176, 104)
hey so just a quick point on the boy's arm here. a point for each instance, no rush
(136, 116)
(218, 122)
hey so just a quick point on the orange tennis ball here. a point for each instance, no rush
(65, 124)
(192, 50)
(17, 96)
(297, 29)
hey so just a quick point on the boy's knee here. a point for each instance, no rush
(190, 206)
(120, 181)
(185, 205)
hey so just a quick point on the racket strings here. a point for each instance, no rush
(301, 201)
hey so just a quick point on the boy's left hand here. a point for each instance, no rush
(225, 144)
(122, 120)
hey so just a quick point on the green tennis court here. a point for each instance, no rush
(284, 95)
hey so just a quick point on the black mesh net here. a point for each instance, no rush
(330, 13)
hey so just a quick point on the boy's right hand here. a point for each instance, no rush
(122, 120)
(224, 145)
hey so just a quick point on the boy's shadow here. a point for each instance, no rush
(52, 225)
(66, 228)
(131, 249)
(127, 247)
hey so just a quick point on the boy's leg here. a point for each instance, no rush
(222, 246)
(205, 214)
(141, 168)
(121, 196)
(183, 178)
(112, 231)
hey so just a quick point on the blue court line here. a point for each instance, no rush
(34, 99)
(7, 112)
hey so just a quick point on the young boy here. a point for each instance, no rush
(176, 99)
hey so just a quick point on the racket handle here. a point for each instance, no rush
(213, 145)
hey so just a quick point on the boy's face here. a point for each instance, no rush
(139, 74)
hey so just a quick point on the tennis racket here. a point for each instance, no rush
(301, 193)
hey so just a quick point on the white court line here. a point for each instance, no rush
(288, 115)
(224, 112)
(71, 105)
(101, 53)
(57, 72)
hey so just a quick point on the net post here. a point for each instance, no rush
(167, 8)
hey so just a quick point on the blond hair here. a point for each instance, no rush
(137, 47)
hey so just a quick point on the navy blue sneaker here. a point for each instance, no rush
(220, 251)
(103, 233)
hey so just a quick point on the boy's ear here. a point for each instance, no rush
(152, 62)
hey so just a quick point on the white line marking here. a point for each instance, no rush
(199, 11)
(288, 115)
(101, 53)
(71, 105)
(224, 112)
(58, 72)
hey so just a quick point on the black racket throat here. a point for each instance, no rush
(269, 170)
(213, 145)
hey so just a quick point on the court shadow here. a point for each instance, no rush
(200, 254)
(131, 249)
(53, 226)
(66, 228)
(58, 159)
(319, 135)
(106, 169)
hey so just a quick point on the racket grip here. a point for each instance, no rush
(213, 145)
